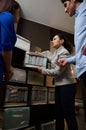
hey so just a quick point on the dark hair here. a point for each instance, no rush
(66, 44)
(4, 5)
(69, 0)
(14, 5)
(9, 5)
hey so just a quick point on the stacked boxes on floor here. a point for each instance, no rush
(39, 95)
(16, 96)
(27, 87)
(35, 78)
(43, 88)
(15, 112)
(14, 118)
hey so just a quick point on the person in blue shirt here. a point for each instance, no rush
(9, 14)
(77, 8)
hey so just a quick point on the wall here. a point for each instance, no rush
(39, 34)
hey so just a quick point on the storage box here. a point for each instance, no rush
(14, 118)
(48, 126)
(35, 78)
(22, 45)
(34, 59)
(15, 96)
(50, 81)
(51, 95)
(39, 95)
(19, 75)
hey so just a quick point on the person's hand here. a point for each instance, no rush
(8, 74)
(62, 62)
(39, 69)
(84, 50)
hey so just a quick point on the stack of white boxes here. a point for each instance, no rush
(15, 113)
(27, 87)
(33, 59)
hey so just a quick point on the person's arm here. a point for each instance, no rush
(8, 39)
(64, 61)
(72, 60)
(7, 57)
(57, 71)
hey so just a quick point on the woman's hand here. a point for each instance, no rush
(40, 69)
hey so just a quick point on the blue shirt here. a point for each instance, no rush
(7, 36)
(80, 39)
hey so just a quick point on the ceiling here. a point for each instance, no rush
(47, 12)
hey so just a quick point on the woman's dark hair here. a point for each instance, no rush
(14, 5)
(69, 0)
(9, 5)
(66, 44)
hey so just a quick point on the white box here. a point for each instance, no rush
(33, 59)
(39, 95)
(22, 43)
(15, 96)
(35, 78)
(19, 75)
(14, 118)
